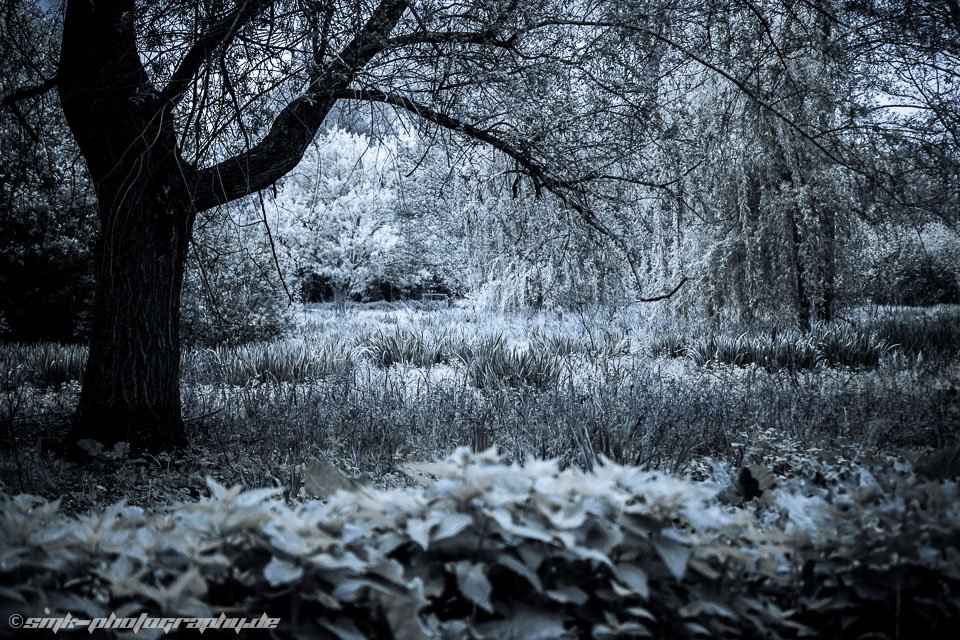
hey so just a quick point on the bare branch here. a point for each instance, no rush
(203, 49)
(296, 125)
(11, 100)
(668, 295)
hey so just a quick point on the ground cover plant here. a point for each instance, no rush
(486, 550)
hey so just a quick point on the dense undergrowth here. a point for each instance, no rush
(481, 549)
(375, 389)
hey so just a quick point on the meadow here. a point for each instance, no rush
(371, 388)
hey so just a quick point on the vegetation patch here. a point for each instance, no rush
(823, 346)
(487, 550)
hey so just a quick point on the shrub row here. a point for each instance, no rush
(486, 550)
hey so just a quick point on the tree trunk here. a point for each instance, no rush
(801, 291)
(148, 197)
(131, 386)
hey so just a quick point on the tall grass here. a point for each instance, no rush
(44, 364)
(281, 361)
(495, 364)
(404, 345)
(791, 350)
(553, 389)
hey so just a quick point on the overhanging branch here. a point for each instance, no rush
(203, 49)
(11, 100)
(566, 191)
(668, 295)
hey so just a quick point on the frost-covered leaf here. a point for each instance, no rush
(322, 479)
(419, 531)
(568, 594)
(280, 572)
(473, 584)
(633, 577)
(505, 519)
(674, 554)
(334, 562)
(450, 525)
(522, 570)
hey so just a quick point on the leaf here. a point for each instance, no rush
(337, 562)
(568, 594)
(419, 531)
(474, 585)
(503, 518)
(633, 577)
(762, 475)
(451, 525)
(92, 447)
(673, 554)
(95, 450)
(280, 572)
(343, 628)
(522, 570)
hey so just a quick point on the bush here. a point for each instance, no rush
(486, 550)
(934, 336)
(918, 273)
(233, 292)
(47, 274)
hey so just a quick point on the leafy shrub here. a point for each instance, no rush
(486, 550)
(47, 272)
(917, 271)
(934, 335)
(232, 292)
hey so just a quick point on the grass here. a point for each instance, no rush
(45, 365)
(825, 346)
(376, 388)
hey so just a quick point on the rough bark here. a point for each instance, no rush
(131, 385)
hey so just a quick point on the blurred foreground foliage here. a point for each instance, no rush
(480, 549)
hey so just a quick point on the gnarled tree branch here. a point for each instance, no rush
(296, 125)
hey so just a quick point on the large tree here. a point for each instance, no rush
(182, 106)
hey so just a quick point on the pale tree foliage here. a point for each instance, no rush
(339, 212)
(760, 216)
(516, 249)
